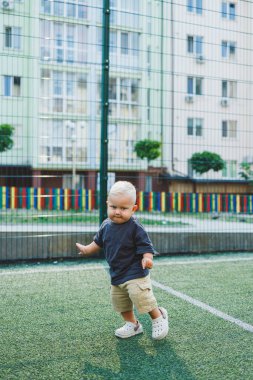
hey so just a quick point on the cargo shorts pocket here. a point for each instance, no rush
(142, 296)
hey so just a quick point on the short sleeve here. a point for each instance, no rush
(142, 241)
(98, 238)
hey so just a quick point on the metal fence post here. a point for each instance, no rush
(104, 112)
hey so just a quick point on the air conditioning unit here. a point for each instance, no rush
(200, 59)
(189, 98)
(7, 4)
(224, 102)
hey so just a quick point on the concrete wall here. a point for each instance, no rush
(40, 245)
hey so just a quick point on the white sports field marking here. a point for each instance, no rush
(74, 268)
(204, 306)
(204, 261)
(169, 290)
(84, 267)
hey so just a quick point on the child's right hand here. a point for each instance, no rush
(147, 263)
(81, 249)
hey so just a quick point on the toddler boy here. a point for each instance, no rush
(129, 253)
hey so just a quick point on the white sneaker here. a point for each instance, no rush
(160, 325)
(129, 329)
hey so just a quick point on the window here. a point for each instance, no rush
(57, 83)
(57, 141)
(124, 97)
(112, 89)
(70, 84)
(195, 44)
(45, 42)
(135, 46)
(12, 37)
(228, 10)
(63, 92)
(12, 86)
(81, 44)
(194, 86)
(129, 42)
(129, 150)
(228, 49)
(113, 41)
(63, 42)
(190, 44)
(46, 6)
(125, 13)
(228, 89)
(71, 9)
(229, 128)
(129, 13)
(82, 9)
(195, 6)
(61, 8)
(124, 43)
(190, 7)
(70, 43)
(194, 127)
(113, 148)
(58, 8)
(58, 42)
(230, 169)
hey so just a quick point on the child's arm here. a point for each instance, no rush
(147, 261)
(88, 249)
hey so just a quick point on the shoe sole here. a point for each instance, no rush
(139, 331)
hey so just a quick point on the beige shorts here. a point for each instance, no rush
(137, 292)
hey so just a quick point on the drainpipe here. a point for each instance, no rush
(172, 82)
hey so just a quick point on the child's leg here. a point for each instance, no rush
(129, 316)
(155, 313)
(141, 294)
(121, 301)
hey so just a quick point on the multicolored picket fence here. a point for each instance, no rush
(86, 199)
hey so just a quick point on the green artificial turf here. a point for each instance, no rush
(57, 323)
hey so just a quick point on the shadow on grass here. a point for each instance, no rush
(142, 358)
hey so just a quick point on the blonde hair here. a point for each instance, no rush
(123, 188)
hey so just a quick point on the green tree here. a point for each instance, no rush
(149, 149)
(6, 133)
(205, 161)
(246, 171)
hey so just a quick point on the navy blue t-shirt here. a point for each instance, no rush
(124, 245)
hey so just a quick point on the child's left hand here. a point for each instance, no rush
(147, 263)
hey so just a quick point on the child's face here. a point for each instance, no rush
(120, 208)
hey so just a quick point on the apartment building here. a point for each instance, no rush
(212, 54)
(179, 73)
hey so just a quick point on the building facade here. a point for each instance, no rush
(179, 73)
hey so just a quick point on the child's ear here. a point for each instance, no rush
(135, 207)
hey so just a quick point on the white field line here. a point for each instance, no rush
(85, 267)
(204, 261)
(204, 306)
(169, 290)
(74, 268)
